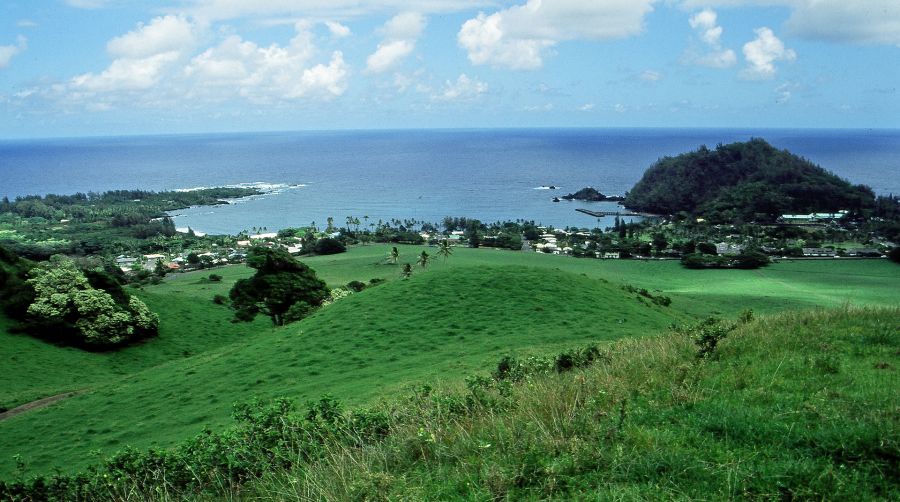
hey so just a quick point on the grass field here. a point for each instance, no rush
(797, 406)
(449, 320)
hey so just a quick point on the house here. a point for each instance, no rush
(154, 257)
(243, 244)
(724, 248)
(612, 255)
(270, 235)
(819, 253)
(864, 252)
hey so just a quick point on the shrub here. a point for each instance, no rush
(356, 286)
(327, 245)
(215, 278)
(220, 299)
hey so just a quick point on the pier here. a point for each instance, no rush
(601, 214)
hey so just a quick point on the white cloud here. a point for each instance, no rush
(587, 107)
(388, 55)
(87, 4)
(7, 52)
(651, 76)
(26, 23)
(401, 33)
(264, 74)
(518, 37)
(705, 23)
(142, 56)
(784, 92)
(163, 34)
(867, 22)
(217, 10)
(858, 21)
(404, 26)
(337, 30)
(762, 53)
(127, 74)
(464, 89)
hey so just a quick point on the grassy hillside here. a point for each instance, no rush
(445, 322)
(190, 324)
(793, 406)
(439, 325)
(800, 405)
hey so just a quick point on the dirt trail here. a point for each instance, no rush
(40, 403)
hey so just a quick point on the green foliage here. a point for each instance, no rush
(328, 245)
(215, 278)
(785, 400)
(749, 181)
(356, 286)
(279, 283)
(67, 307)
(369, 346)
(746, 260)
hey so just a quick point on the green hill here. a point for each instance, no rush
(793, 406)
(439, 325)
(752, 181)
(449, 320)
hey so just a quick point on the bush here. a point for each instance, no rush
(327, 245)
(220, 299)
(215, 278)
(356, 286)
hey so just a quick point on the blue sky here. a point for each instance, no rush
(105, 67)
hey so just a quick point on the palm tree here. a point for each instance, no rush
(444, 249)
(407, 271)
(423, 259)
(394, 256)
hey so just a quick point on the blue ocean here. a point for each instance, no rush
(426, 175)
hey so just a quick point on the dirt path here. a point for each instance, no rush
(40, 403)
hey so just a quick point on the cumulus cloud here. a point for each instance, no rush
(867, 22)
(859, 21)
(705, 23)
(762, 53)
(262, 74)
(157, 64)
(337, 30)
(518, 37)
(464, 89)
(400, 35)
(217, 10)
(142, 56)
(162, 34)
(7, 52)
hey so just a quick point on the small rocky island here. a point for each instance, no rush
(591, 194)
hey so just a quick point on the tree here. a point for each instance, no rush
(423, 259)
(444, 249)
(67, 307)
(328, 245)
(280, 282)
(395, 255)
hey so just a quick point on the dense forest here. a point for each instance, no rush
(749, 181)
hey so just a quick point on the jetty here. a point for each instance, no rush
(601, 214)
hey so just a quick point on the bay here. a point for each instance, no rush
(425, 175)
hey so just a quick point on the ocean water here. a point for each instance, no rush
(426, 175)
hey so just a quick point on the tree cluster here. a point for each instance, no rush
(749, 181)
(282, 288)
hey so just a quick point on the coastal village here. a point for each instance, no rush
(794, 236)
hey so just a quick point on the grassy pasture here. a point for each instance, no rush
(449, 320)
